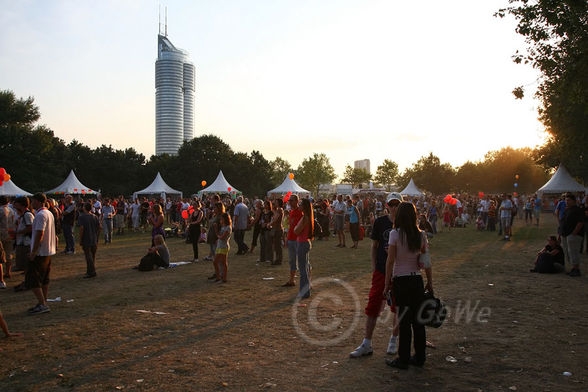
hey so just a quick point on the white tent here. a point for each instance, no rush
(289, 185)
(10, 189)
(411, 190)
(561, 182)
(220, 185)
(72, 186)
(158, 187)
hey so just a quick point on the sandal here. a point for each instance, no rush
(289, 284)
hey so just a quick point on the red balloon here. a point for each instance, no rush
(481, 195)
(185, 214)
(289, 193)
(229, 189)
(453, 202)
(286, 198)
(2, 172)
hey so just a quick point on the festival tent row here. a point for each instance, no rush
(73, 186)
(220, 185)
(158, 187)
(561, 182)
(289, 186)
(411, 190)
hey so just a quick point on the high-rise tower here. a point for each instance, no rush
(174, 96)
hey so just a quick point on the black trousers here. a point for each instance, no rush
(195, 232)
(240, 240)
(409, 294)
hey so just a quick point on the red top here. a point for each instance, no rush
(303, 236)
(295, 216)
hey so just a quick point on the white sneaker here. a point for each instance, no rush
(361, 351)
(392, 346)
(2, 285)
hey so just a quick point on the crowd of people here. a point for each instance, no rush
(400, 229)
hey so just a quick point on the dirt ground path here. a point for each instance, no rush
(508, 329)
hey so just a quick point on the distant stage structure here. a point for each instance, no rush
(174, 97)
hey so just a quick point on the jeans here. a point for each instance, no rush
(292, 254)
(433, 220)
(195, 237)
(69, 237)
(409, 294)
(107, 227)
(571, 246)
(240, 240)
(90, 253)
(302, 252)
(266, 252)
(277, 244)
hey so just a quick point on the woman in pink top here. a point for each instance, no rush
(404, 246)
(304, 233)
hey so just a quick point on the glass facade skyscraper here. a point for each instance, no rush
(174, 97)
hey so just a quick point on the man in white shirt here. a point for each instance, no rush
(240, 222)
(505, 216)
(43, 246)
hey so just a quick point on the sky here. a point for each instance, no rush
(375, 79)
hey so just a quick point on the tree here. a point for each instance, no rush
(557, 45)
(430, 174)
(315, 170)
(387, 173)
(280, 169)
(356, 176)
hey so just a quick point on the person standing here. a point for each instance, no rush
(506, 216)
(277, 231)
(24, 229)
(89, 230)
(405, 244)
(339, 209)
(293, 219)
(195, 228)
(572, 233)
(240, 221)
(304, 231)
(121, 213)
(266, 245)
(43, 247)
(67, 224)
(256, 223)
(6, 227)
(107, 216)
(354, 215)
(380, 235)
(135, 214)
(537, 204)
(156, 219)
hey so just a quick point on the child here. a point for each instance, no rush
(222, 248)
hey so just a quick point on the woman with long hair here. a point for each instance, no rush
(221, 257)
(195, 227)
(405, 244)
(277, 230)
(304, 231)
(266, 252)
(156, 220)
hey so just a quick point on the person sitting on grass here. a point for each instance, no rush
(550, 259)
(157, 256)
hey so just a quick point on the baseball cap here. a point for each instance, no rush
(394, 196)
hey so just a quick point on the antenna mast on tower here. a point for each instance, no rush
(166, 21)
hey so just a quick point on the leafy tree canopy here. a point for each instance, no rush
(387, 173)
(313, 171)
(356, 176)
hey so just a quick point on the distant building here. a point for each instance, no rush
(362, 164)
(174, 97)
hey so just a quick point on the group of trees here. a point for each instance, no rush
(556, 35)
(34, 156)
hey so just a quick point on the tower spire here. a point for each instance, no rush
(166, 21)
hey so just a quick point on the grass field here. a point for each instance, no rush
(250, 334)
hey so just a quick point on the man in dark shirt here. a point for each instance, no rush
(67, 222)
(380, 234)
(89, 230)
(572, 233)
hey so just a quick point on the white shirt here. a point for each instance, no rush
(339, 206)
(44, 222)
(26, 220)
(135, 209)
